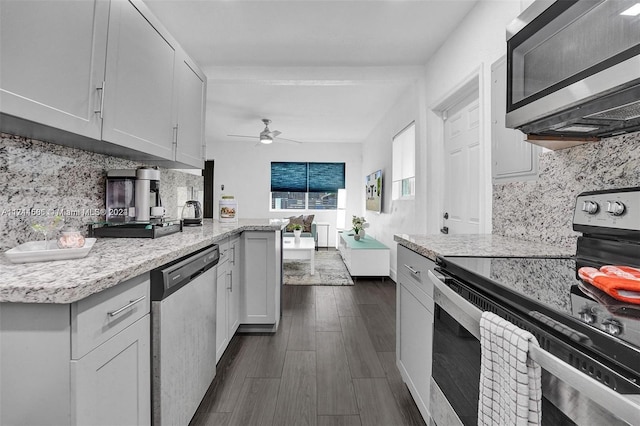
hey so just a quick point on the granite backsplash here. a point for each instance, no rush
(39, 179)
(542, 210)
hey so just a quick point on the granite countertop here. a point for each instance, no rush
(111, 261)
(435, 245)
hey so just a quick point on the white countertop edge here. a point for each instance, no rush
(488, 245)
(41, 283)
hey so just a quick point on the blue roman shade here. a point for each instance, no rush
(326, 177)
(307, 177)
(288, 177)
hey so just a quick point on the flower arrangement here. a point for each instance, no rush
(358, 223)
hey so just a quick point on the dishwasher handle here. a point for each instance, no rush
(168, 279)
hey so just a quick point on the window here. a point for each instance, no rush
(306, 186)
(404, 163)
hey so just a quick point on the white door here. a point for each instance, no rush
(462, 167)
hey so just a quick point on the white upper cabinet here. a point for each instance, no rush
(191, 109)
(53, 60)
(513, 158)
(104, 70)
(138, 94)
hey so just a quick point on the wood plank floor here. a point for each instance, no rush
(332, 362)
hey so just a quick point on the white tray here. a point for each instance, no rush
(35, 251)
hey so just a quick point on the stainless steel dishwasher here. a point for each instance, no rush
(183, 334)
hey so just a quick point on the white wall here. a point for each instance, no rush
(468, 53)
(245, 171)
(397, 216)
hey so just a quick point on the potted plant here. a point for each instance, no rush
(297, 231)
(358, 224)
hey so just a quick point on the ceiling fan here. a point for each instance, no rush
(267, 136)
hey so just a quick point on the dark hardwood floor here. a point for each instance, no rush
(332, 362)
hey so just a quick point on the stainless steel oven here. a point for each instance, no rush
(568, 394)
(589, 342)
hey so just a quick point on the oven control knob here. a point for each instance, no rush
(615, 208)
(612, 326)
(591, 207)
(587, 316)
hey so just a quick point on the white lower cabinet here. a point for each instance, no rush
(84, 363)
(262, 278)
(414, 326)
(228, 293)
(234, 286)
(222, 339)
(111, 382)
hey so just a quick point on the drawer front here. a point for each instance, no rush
(411, 286)
(101, 316)
(415, 266)
(225, 251)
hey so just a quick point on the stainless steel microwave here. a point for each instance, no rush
(573, 69)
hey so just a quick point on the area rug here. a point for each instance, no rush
(329, 270)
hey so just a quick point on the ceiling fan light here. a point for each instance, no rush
(266, 139)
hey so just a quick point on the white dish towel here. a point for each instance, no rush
(510, 382)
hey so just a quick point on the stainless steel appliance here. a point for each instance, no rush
(574, 68)
(183, 335)
(192, 213)
(132, 195)
(134, 207)
(589, 346)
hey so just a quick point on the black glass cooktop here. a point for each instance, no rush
(550, 286)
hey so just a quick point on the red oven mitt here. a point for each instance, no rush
(619, 282)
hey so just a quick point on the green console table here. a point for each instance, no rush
(366, 257)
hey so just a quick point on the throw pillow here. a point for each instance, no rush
(293, 220)
(307, 222)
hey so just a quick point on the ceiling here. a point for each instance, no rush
(321, 70)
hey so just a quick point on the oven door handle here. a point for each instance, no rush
(469, 316)
(462, 311)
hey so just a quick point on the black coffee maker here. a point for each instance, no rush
(133, 195)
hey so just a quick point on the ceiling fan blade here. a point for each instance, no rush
(289, 141)
(275, 133)
(244, 136)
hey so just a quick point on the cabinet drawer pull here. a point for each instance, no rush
(127, 306)
(101, 89)
(413, 271)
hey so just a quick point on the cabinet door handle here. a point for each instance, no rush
(233, 257)
(175, 140)
(125, 307)
(101, 89)
(230, 288)
(413, 271)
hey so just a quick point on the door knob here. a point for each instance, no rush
(444, 229)
(446, 215)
